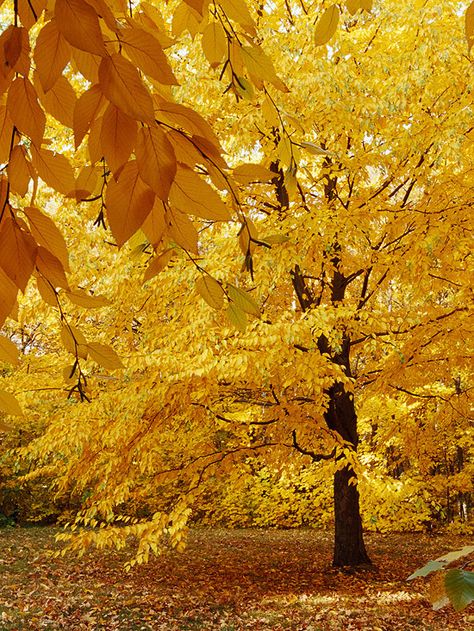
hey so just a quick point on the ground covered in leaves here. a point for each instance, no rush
(225, 580)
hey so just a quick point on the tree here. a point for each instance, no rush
(352, 224)
(370, 235)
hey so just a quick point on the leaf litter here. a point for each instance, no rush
(226, 580)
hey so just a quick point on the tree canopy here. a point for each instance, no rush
(249, 228)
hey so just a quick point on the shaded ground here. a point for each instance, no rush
(225, 580)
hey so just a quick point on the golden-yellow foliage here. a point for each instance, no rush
(306, 172)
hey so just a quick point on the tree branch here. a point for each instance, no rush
(306, 452)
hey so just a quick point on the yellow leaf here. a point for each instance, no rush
(86, 64)
(211, 291)
(79, 24)
(244, 88)
(121, 84)
(94, 147)
(78, 335)
(30, 11)
(89, 301)
(243, 300)
(25, 111)
(138, 244)
(285, 151)
(54, 169)
(82, 351)
(117, 137)
(316, 150)
(237, 10)
(128, 201)
(235, 57)
(102, 8)
(190, 194)
(17, 252)
(248, 173)
(104, 355)
(182, 230)
(152, 20)
(8, 351)
(469, 26)
(158, 264)
(218, 178)
(260, 67)
(4, 189)
(71, 338)
(154, 225)
(291, 181)
(156, 160)
(247, 232)
(197, 5)
(47, 293)
(236, 316)
(51, 268)
(8, 294)
(52, 53)
(87, 182)
(6, 75)
(9, 405)
(270, 113)
(23, 64)
(275, 238)
(146, 52)
(176, 114)
(88, 107)
(184, 149)
(185, 18)
(353, 6)
(210, 150)
(59, 101)
(69, 374)
(47, 234)
(6, 129)
(11, 43)
(437, 591)
(19, 170)
(214, 43)
(68, 340)
(326, 26)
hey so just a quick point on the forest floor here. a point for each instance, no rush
(225, 580)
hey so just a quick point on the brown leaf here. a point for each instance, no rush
(128, 201)
(156, 160)
(121, 84)
(17, 253)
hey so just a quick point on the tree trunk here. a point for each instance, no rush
(340, 417)
(349, 548)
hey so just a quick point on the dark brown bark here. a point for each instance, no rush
(349, 547)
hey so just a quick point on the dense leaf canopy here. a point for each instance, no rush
(235, 243)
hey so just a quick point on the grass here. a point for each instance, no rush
(225, 580)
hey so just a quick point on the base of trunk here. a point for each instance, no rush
(349, 547)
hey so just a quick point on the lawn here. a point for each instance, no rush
(226, 580)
